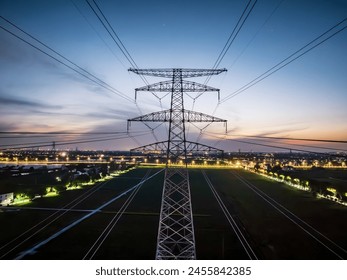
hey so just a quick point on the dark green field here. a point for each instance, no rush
(271, 234)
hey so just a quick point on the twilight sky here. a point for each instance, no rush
(305, 99)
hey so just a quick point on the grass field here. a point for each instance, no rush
(276, 237)
(271, 234)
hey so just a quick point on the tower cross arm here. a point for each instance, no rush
(164, 116)
(197, 147)
(161, 116)
(192, 116)
(157, 147)
(187, 86)
(184, 72)
(161, 148)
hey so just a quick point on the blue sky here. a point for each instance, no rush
(306, 99)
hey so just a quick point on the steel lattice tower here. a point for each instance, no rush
(176, 232)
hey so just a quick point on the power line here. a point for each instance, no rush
(294, 56)
(257, 32)
(28, 134)
(279, 147)
(86, 19)
(295, 139)
(60, 132)
(273, 146)
(57, 143)
(110, 30)
(79, 69)
(231, 39)
(302, 145)
(113, 34)
(234, 33)
(298, 139)
(44, 142)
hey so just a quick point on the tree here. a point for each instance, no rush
(256, 167)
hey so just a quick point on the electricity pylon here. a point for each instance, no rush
(176, 232)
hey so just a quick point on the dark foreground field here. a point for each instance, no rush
(277, 221)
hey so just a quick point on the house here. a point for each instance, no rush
(6, 199)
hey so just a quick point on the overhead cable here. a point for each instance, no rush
(241, 21)
(113, 34)
(331, 32)
(290, 148)
(67, 62)
(58, 143)
(297, 139)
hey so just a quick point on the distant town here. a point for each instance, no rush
(30, 174)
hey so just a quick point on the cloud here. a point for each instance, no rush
(17, 54)
(8, 126)
(14, 51)
(284, 131)
(21, 102)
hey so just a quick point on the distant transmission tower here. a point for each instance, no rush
(176, 233)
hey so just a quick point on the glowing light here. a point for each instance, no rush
(332, 190)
